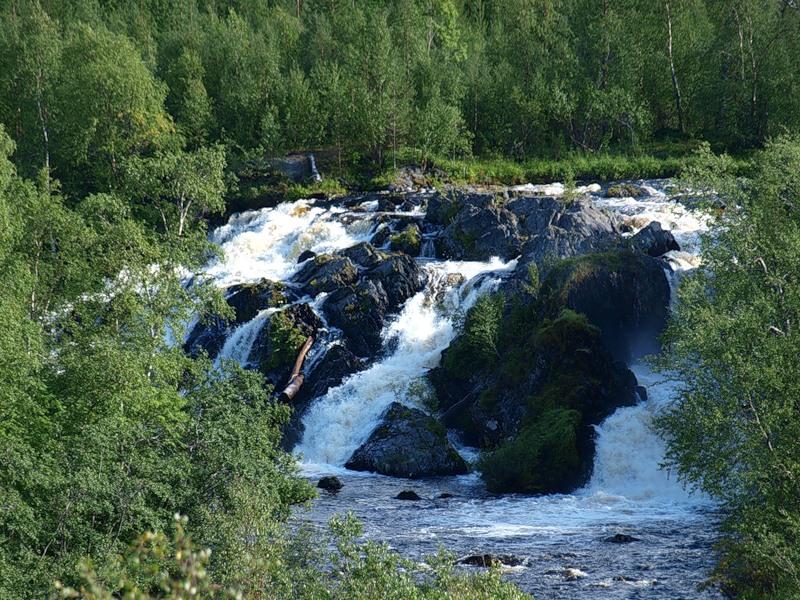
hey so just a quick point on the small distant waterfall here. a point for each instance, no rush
(239, 344)
(428, 248)
(312, 162)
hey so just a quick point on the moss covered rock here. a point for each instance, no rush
(407, 241)
(408, 443)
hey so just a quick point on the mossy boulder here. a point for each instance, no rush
(624, 293)
(543, 458)
(408, 241)
(279, 341)
(625, 190)
(408, 443)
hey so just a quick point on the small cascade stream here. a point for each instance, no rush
(628, 492)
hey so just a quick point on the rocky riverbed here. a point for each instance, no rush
(396, 287)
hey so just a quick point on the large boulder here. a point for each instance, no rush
(624, 293)
(479, 232)
(653, 240)
(556, 230)
(361, 310)
(408, 443)
(326, 273)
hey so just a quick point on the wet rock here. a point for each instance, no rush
(624, 293)
(330, 484)
(246, 300)
(364, 255)
(491, 560)
(361, 310)
(570, 574)
(625, 190)
(305, 255)
(654, 241)
(326, 273)
(445, 496)
(280, 339)
(381, 237)
(621, 538)
(408, 495)
(408, 443)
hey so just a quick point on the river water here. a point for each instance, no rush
(561, 538)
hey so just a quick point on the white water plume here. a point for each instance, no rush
(266, 243)
(344, 417)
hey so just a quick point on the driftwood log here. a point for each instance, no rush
(296, 378)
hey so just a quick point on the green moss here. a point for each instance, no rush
(542, 458)
(285, 341)
(409, 240)
(623, 190)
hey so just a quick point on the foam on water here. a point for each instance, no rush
(341, 420)
(267, 242)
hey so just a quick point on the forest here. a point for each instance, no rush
(125, 126)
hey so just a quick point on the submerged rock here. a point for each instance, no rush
(654, 241)
(408, 443)
(330, 484)
(491, 560)
(408, 495)
(621, 538)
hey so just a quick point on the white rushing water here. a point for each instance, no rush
(628, 491)
(339, 422)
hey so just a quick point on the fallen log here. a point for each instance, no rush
(296, 378)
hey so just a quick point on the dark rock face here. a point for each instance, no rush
(480, 232)
(654, 241)
(558, 231)
(364, 255)
(624, 293)
(408, 443)
(540, 228)
(330, 484)
(326, 273)
(361, 310)
(305, 255)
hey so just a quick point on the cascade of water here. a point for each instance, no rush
(238, 345)
(344, 417)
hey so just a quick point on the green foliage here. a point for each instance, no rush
(285, 341)
(177, 568)
(537, 458)
(733, 342)
(477, 348)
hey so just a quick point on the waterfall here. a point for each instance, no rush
(340, 421)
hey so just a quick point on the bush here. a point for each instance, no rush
(541, 458)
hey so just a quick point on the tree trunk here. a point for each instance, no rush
(675, 87)
(296, 378)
